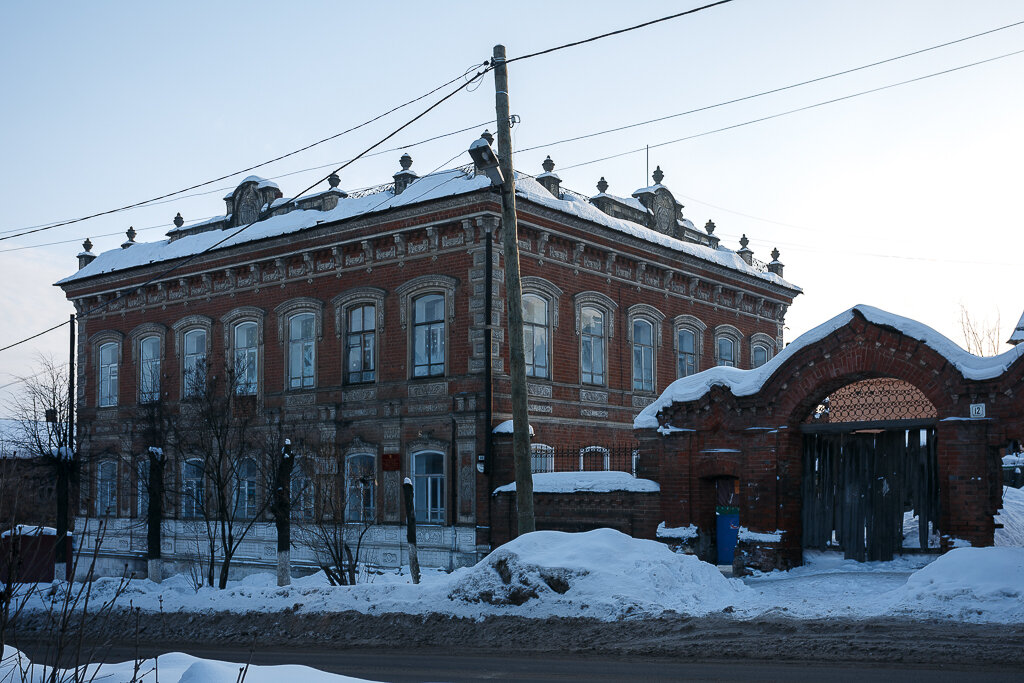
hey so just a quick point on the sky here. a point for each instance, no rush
(904, 199)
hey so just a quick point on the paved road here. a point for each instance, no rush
(402, 666)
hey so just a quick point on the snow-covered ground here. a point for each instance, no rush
(174, 667)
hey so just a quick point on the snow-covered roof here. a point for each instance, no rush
(585, 482)
(749, 382)
(447, 183)
(631, 202)
(507, 426)
(1018, 333)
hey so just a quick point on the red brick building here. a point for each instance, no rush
(377, 318)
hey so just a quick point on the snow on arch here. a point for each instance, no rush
(749, 382)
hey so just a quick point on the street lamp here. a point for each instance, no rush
(485, 160)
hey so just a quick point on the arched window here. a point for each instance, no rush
(428, 486)
(428, 336)
(149, 369)
(542, 458)
(727, 345)
(246, 480)
(360, 344)
(758, 355)
(194, 364)
(643, 355)
(108, 374)
(106, 489)
(301, 351)
(361, 487)
(594, 459)
(536, 335)
(592, 345)
(246, 357)
(687, 345)
(193, 489)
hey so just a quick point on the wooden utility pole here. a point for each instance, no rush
(514, 298)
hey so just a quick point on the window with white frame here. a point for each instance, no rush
(762, 348)
(361, 487)
(194, 364)
(108, 374)
(542, 458)
(149, 369)
(594, 459)
(689, 337)
(727, 345)
(428, 335)
(592, 345)
(246, 358)
(360, 343)
(193, 489)
(428, 486)
(536, 334)
(301, 351)
(106, 489)
(246, 481)
(643, 355)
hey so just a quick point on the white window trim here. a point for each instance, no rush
(229, 322)
(732, 333)
(136, 337)
(358, 296)
(96, 342)
(695, 325)
(285, 312)
(413, 289)
(375, 489)
(110, 511)
(197, 505)
(763, 340)
(445, 483)
(655, 318)
(181, 328)
(608, 307)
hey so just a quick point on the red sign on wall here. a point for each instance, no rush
(391, 462)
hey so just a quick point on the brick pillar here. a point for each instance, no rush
(789, 504)
(965, 470)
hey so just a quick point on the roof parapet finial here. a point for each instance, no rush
(744, 241)
(602, 185)
(775, 254)
(548, 165)
(658, 176)
(178, 220)
(87, 245)
(710, 227)
(333, 180)
(405, 162)
(486, 135)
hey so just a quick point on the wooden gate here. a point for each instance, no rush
(858, 484)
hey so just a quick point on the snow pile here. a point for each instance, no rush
(31, 530)
(601, 573)
(174, 667)
(1013, 460)
(912, 533)
(585, 482)
(749, 382)
(972, 584)
(682, 533)
(1011, 516)
(746, 534)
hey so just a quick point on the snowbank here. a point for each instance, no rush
(174, 667)
(1011, 516)
(601, 573)
(585, 482)
(973, 584)
(749, 382)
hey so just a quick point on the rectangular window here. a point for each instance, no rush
(535, 335)
(301, 351)
(428, 491)
(643, 356)
(193, 489)
(246, 359)
(687, 343)
(194, 376)
(149, 370)
(108, 375)
(428, 336)
(360, 343)
(106, 494)
(592, 352)
(726, 351)
(361, 484)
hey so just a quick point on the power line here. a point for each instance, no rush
(618, 32)
(244, 170)
(237, 232)
(794, 111)
(774, 90)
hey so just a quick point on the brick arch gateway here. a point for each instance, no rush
(856, 422)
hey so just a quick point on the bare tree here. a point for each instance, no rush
(146, 456)
(42, 411)
(217, 436)
(982, 337)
